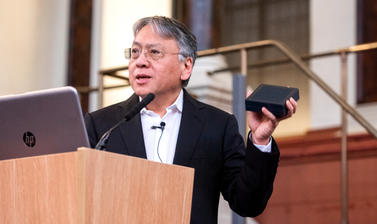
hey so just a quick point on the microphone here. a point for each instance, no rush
(101, 145)
(143, 103)
(162, 126)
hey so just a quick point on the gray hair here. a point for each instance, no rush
(171, 28)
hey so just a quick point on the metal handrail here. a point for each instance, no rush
(306, 57)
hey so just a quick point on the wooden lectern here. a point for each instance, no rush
(90, 186)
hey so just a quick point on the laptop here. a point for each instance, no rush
(41, 122)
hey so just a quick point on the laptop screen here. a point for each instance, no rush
(41, 122)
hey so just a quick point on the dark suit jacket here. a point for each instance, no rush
(208, 141)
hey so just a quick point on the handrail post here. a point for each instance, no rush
(100, 89)
(344, 162)
(238, 107)
(244, 62)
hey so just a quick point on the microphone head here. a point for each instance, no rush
(162, 126)
(148, 98)
(143, 103)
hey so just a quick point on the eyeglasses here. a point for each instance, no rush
(153, 53)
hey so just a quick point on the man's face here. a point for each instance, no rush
(157, 69)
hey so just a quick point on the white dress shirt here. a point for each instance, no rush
(163, 150)
(166, 149)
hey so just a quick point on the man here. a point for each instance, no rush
(175, 128)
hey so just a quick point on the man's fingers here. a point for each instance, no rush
(294, 104)
(290, 109)
(291, 105)
(270, 116)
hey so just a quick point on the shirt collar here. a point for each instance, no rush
(178, 104)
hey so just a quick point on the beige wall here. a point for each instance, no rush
(334, 27)
(33, 44)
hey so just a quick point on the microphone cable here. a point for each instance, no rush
(162, 127)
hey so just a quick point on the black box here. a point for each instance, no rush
(271, 97)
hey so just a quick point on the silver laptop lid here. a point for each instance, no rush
(41, 122)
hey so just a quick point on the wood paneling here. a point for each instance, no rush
(367, 61)
(319, 147)
(203, 19)
(307, 186)
(310, 193)
(80, 33)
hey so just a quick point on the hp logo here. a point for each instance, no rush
(29, 139)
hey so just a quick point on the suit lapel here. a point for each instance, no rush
(132, 133)
(189, 132)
